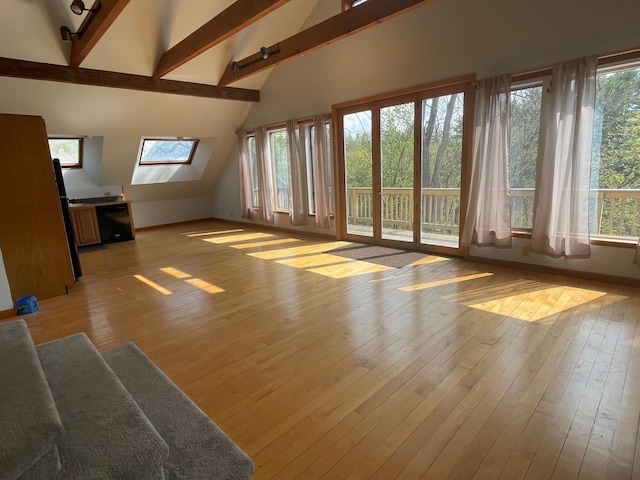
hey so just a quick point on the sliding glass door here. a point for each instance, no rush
(358, 165)
(397, 140)
(441, 169)
(401, 165)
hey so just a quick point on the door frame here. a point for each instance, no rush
(464, 85)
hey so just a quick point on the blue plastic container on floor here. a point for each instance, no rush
(28, 304)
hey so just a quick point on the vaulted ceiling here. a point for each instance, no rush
(193, 48)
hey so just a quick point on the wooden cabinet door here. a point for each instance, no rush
(85, 225)
(33, 239)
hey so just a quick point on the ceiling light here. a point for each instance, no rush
(67, 35)
(78, 7)
(264, 52)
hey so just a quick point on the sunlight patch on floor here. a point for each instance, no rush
(429, 259)
(204, 285)
(349, 269)
(310, 261)
(153, 285)
(265, 243)
(174, 272)
(532, 306)
(193, 281)
(446, 281)
(238, 238)
(302, 250)
(215, 232)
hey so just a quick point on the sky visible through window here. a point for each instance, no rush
(167, 151)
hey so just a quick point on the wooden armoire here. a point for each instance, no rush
(32, 233)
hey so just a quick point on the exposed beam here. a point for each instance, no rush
(237, 16)
(10, 67)
(94, 26)
(324, 33)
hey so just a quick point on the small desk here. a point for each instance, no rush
(86, 226)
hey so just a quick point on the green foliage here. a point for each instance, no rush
(525, 134)
(67, 150)
(441, 150)
(617, 126)
(616, 158)
(280, 158)
(358, 150)
(396, 145)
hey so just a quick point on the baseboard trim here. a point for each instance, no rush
(565, 272)
(165, 225)
(274, 228)
(8, 313)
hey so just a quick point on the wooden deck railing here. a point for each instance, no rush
(615, 212)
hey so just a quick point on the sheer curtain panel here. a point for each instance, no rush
(488, 220)
(246, 189)
(321, 164)
(561, 219)
(265, 175)
(296, 191)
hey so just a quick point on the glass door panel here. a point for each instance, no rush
(441, 155)
(397, 171)
(358, 163)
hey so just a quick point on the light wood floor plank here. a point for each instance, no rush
(321, 367)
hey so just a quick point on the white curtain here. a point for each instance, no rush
(246, 189)
(321, 164)
(296, 189)
(265, 175)
(488, 220)
(561, 220)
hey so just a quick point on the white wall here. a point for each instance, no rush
(29, 30)
(6, 301)
(163, 212)
(446, 39)
(122, 117)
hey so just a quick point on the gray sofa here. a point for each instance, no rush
(69, 412)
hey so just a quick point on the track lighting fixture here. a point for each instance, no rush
(66, 34)
(264, 54)
(78, 7)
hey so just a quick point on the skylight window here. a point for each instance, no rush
(162, 151)
(67, 150)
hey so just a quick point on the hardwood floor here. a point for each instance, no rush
(321, 367)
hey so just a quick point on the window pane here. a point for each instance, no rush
(441, 169)
(279, 157)
(254, 171)
(525, 133)
(358, 171)
(396, 156)
(615, 171)
(310, 136)
(329, 173)
(167, 151)
(67, 150)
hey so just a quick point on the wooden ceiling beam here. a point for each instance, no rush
(340, 26)
(230, 21)
(94, 27)
(10, 67)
